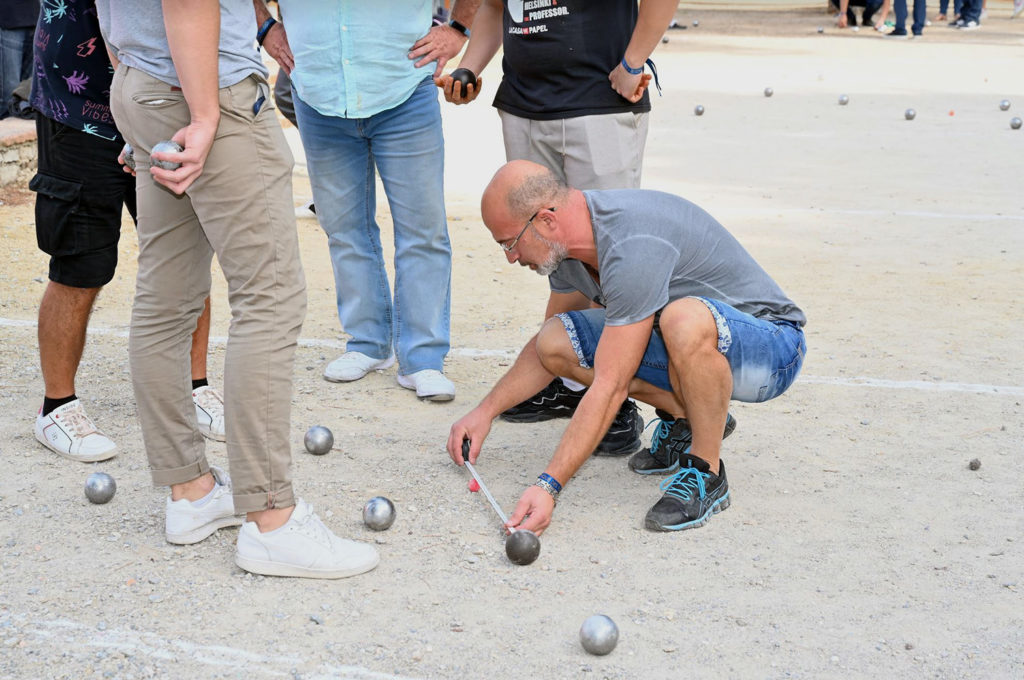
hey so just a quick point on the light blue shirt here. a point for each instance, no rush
(352, 56)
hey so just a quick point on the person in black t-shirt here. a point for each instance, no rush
(573, 97)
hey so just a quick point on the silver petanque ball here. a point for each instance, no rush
(821, 29)
(910, 114)
(100, 487)
(379, 513)
(599, 635)
(843, 100)
(696, 23)
(129, 156)
(165, 146)
(698, 110)
(1004, 105)
(318, 440)
(1015, 123)
(522, 547)
(768, 92)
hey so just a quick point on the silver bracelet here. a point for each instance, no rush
(547, 487)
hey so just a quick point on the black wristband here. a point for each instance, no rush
(459, 27)
(265, 27)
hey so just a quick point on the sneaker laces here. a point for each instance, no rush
(313, 527)
(78, 422)
(685, 484)
(660, 434)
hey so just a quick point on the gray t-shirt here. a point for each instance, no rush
(135, 32)
(653, 248)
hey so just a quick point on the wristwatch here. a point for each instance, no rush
(459, 27)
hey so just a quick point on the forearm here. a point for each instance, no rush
(591, 420)
(526, 378)
(485, 38)
(193, 34)
(464, 12)
(653, 19)
(262, 11)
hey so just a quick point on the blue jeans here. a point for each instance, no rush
(971, 10)
(15, 62)
(920, 16)
(944, 5)
(406, 146)
(764, 356)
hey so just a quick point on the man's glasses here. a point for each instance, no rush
(508, 247)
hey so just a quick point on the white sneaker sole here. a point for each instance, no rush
(81, 458)
(268, 568)
(205, 531)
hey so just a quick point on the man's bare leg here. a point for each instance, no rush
(201, 343)
(63, 319)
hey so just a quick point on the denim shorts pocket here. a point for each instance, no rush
(57, 199)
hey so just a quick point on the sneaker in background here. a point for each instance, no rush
(303, 547)
(669, 443)
(429, 384)
(354, 365)
(68, 431)
(209, 412)
(554, 401)
(623, 436)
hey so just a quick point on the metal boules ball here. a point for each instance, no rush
(379, 513)
(698, 110)
(768, 92)
(910, 114)
(522, 546)
(696, 23)
(128, 153)
(1015, 123)
(100, 488)
(167, 146)
(318, 440)
(465, 78)
(1004, 105)
(599, 634)
(843, 100)
(821, 29)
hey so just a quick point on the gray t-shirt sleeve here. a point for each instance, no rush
(635, 275)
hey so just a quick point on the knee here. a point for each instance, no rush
(688, 328)
(554, 349)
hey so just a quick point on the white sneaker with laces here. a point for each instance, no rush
(970, 26)
(429, 384)
(354, 365)
(302, 547)
(68, 431)
(209, 412)
(186, 523)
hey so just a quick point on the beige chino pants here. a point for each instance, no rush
(241, 209)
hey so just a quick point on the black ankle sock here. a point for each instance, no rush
(196, 384)
(50, 404)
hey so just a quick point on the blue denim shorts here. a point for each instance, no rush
(764, 356)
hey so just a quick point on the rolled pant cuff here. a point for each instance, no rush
(182, 474)
(264, 500)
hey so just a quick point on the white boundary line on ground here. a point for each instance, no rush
(907, 213)
(509, 354)
(85, 639)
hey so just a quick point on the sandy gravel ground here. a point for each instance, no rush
(858, 545)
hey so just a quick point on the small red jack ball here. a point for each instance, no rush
(474, 486)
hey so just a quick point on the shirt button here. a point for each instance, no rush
(346, 61)
(344, 28)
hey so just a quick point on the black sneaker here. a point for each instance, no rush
(623, 437)
(671, 439)
(692, 495)
(554, 401)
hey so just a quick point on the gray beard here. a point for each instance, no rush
(557, 253)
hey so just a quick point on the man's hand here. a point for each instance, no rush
(440, 43)
(276, 45)
(453, 90)
(533, 511)
(124, 166)
(629, 86)
(475, 426)
(197, 140)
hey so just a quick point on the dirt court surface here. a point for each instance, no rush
(858, 544)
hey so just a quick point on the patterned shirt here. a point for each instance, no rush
(72, 73)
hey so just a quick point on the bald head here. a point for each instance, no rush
(517, 190)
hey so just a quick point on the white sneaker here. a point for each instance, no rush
(303, 547)
(67, 430)
(429, 384)
(970, 26)
(354, 365)
(209, 412)
(188, 524)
